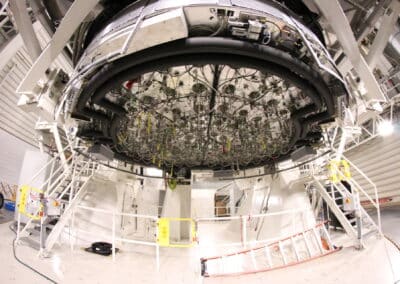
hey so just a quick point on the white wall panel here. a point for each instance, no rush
(14, 65)
(12, 151)
(379, 159)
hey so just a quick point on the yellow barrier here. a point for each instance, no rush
(339, 170)
(23, 199)
(164, 233)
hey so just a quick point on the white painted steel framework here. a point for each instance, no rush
(337, 20)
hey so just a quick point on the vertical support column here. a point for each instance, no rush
(185, 193)
(357, 205)
(232, 200)
(385, 30)
(244, 231)
(71, 229)
(342, 144)
(72, 190)
(339, 23)
(51, 174)
(158, 257)
(25, 28)
(18, 226)
(59, 146)
(113, 236)
(71, 21)
(294, 222)
(41, 237)
(157, 247)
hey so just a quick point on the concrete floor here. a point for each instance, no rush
(379, 262)
(390, 217)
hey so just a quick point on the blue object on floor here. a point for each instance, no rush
(9, 205)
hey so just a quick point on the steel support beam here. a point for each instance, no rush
(372, 19)
(25, 28)
(385, 30)
(337, 19)
(71, 21)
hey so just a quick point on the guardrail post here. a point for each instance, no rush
(158, 257)
(157, 248)
(294, 221)
(71, 229)
(113, 236)
(244, 231)
(18, 225)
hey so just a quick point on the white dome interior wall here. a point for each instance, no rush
(115, 192)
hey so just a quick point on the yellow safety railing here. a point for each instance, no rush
(342, 166)
(163, 239)
(25, 191)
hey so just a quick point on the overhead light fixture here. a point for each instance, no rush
(385, 128)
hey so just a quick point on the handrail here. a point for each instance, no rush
(5, 5)
(70, 184)
(48, 180)
(357, 185)
(50, 190)
(253, 215)
(156, 218)
(46, 165)
(55, 185)
(359, 171)
(116, 213)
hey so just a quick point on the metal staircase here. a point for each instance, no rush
(342, 195)
(304, 246)
(355, 221)
(44, 211)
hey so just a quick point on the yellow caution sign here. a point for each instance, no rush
(164, 232)
(25, 192)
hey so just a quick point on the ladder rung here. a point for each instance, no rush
(268, 254)
(238, 262)
(221, 265)
(353, 220)
(253, 259)
(368, 233)
(317, 239)
(233, 264)
(296, 252)
(282, 252)
(327, 237)
(307, 244)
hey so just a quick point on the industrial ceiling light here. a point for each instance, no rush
(385, 128)
(197, 85)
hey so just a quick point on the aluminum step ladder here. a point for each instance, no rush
(301, 247)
